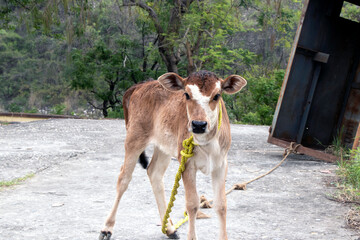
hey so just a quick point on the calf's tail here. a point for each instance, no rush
(143, 160)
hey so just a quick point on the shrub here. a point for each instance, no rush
(350, 169)
(58, 109)
(33, 110)
(117, 113)
(256, 103)
(13, 107)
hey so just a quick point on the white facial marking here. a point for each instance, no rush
(218, 85)
(188, 116)
(197, 95)
(204, 102)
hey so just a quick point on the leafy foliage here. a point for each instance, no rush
(73, 56)
(349, 169)
(256, 103)
(58, 109)
(105, 73)
(351, 12)
(348, 183)
(30, 72)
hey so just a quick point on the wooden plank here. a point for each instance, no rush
(304, 150)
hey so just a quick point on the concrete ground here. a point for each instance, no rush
(76, 163)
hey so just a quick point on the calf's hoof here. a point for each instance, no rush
(105, 235)
(174, 235)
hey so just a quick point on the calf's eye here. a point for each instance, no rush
(187, 96)
(216, 97)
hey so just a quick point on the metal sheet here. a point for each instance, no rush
(288, 68)
(320, 87)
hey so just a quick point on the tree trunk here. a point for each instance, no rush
(105, 108)
(166, 48)
(167, 54)
(190, 66)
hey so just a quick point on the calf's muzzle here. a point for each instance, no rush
(198, 126)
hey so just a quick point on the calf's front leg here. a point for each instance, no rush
(191, 197)
(218, 181)
(156, 170)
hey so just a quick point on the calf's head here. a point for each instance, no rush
(202, 93)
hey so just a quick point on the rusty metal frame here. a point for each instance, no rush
(357, 139)
(319, 59)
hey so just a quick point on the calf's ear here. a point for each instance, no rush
(233, 84)
(172, 81)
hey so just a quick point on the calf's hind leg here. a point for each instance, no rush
(134, 146)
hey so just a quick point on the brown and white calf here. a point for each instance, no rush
(164, 113)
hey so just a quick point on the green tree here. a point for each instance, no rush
(274, 23)
(209, 31)
(104, 73)
(351, 12)
(256, 103)
(30, 71)
(108, 45)
(195, 34)
(166, 17)
(10, 55)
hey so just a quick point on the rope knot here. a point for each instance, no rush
(204, 203)
(291, 149)
(186, 154)
(240, 186)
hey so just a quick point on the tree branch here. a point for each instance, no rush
(22, 5)
(154, 65)
(209, 33)
(196, 47)
(99, 108)
(149, 10)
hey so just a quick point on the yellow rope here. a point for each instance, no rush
(182, 221)
(220, 115)
(186, 153)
